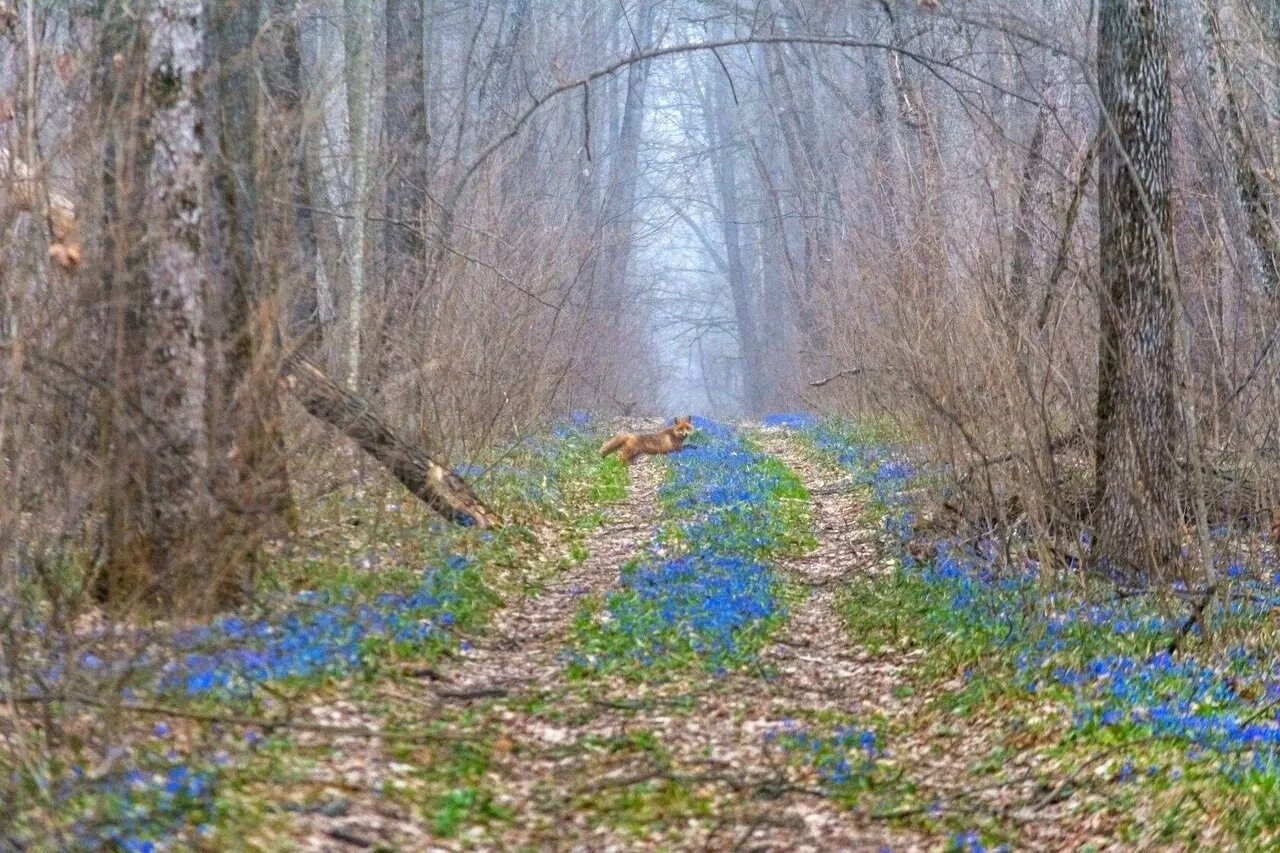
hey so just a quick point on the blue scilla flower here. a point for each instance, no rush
(790, 420)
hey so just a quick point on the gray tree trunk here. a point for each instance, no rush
(357, 38)
(247, 231)
(285, 175)
(1255, 196)
(722, 134)
(1018, 296)
(405, 108)
(172, 375)
(1137, 505)
(620, 199)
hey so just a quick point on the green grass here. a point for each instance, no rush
(1147, 790)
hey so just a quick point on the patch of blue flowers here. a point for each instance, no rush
(151, 806)
(528, 475)
(844, 759)
(326, 633)
(883, 469)
(790, 420)
(706, 589)
(1105, 655)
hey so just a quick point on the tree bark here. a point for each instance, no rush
(243, 226)
(404, 105)
(721, 131)
(1255, 198)
(1018, 296)
(620, 200)
(284, 170)
(173, 504)
(422, 472)
(1137, 501)
(357, 36)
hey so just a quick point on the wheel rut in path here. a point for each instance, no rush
(523, 641)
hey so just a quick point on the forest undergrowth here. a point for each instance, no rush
(751, 641)
(1135, 708)
(123, 736)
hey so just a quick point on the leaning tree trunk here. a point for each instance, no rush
(424, 473)
(1137, 473)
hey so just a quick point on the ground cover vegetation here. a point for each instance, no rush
(1177, 718)
(705, 592)
(376, 584)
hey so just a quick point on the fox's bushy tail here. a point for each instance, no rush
(612, 444)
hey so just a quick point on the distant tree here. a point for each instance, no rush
(1137, 500)
(405, 104)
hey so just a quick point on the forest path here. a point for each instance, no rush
(531, 757)
(518, 651)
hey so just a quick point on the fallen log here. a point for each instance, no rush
(421, 471)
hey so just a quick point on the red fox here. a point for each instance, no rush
(632, 444)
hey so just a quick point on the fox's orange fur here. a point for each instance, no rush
(629, 445)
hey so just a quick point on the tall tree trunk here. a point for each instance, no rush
(357, 38)
(405, 106)
(123, 500)
(1255, 197)
(1018, 295)
(243, 231)
(815, 194)
(405, 122)
(1137, 474)
(174, 367)
(620, 199)
(169, 500)
(284, 172)
(721, 130)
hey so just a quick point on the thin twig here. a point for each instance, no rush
(239, 720)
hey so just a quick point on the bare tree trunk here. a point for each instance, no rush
(125, 291)
(721, 130)
(1137, 474)
(171, 504)
(1255, 197)
(404, 104)
(1018, 295)
(317, 47)
(284, 173)
(243, 230)
(620, 199)
(816, 197)
(357, 40)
